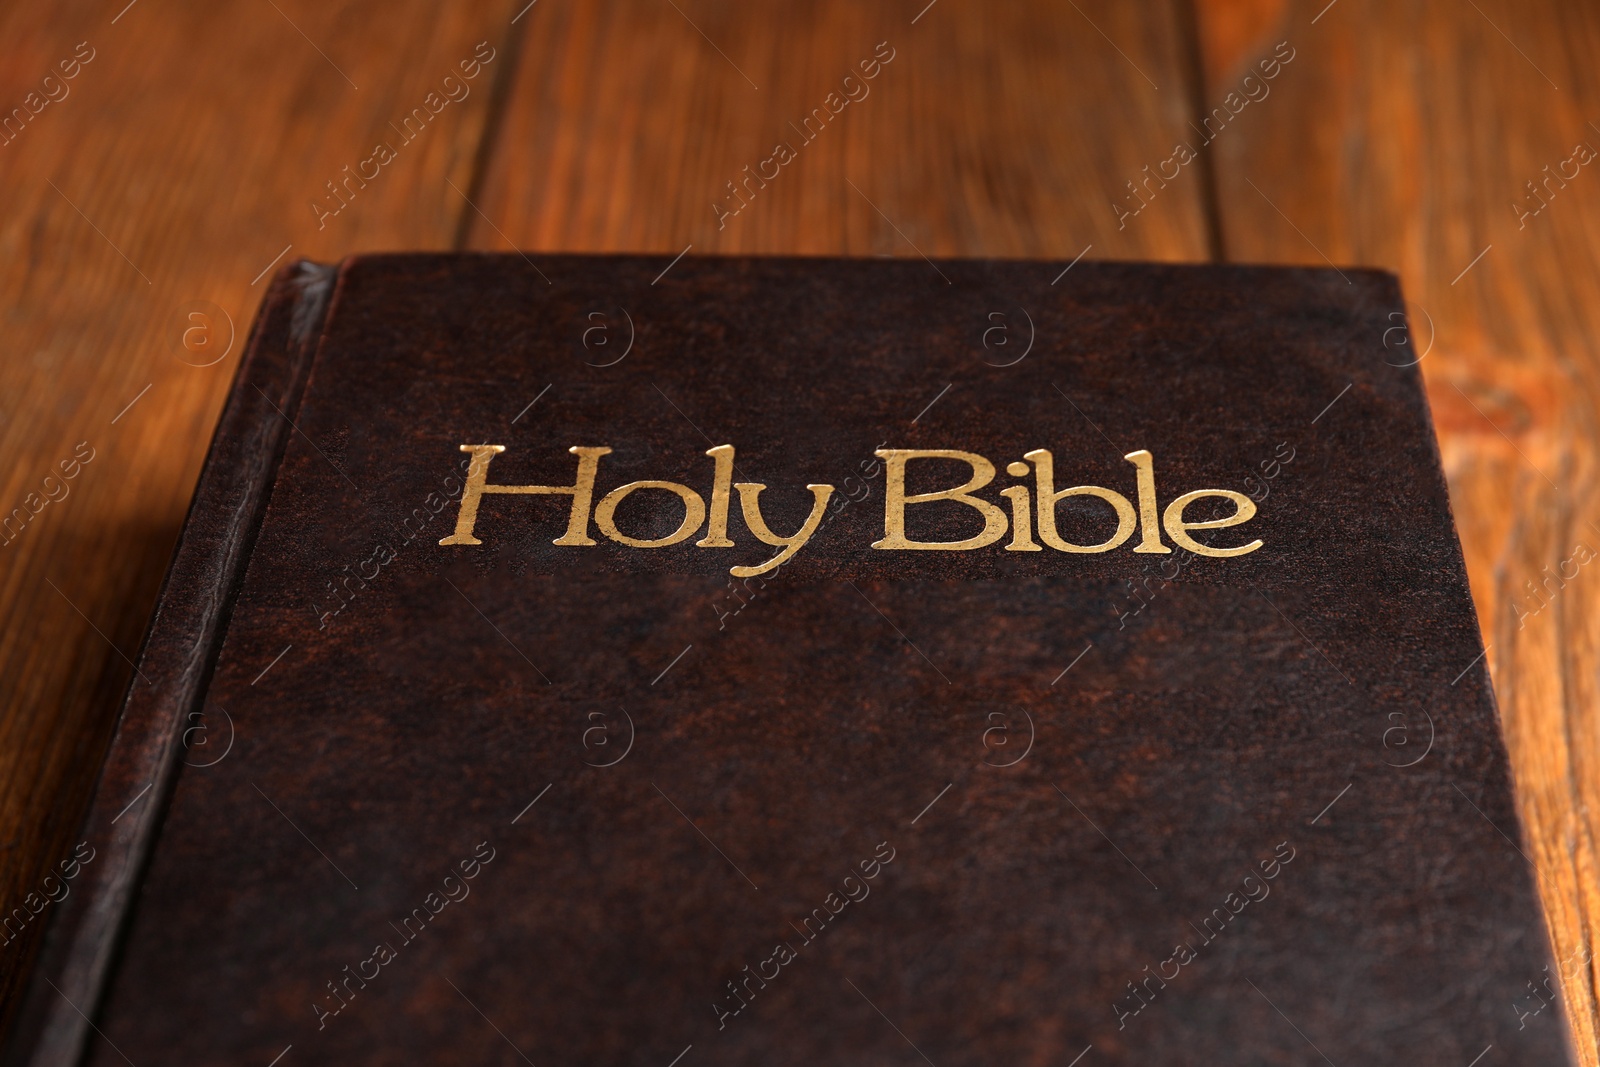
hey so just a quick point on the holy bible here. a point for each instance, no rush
(677, 662)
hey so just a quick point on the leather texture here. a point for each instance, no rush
(606, 804)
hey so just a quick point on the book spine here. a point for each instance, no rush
(174, 665)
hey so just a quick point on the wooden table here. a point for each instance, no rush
(149, 195)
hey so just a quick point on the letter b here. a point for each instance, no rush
(1049, 496)
(896, 499)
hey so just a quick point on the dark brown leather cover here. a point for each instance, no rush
(556, 804)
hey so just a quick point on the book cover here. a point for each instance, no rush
(619, 659)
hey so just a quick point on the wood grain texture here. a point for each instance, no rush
(1405, 137)
(994, 131)
(182, 159)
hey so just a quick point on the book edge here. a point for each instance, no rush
(175, 663)
(1481, 668)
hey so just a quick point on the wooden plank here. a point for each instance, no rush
(994, 130)
(1405, 136)
(180, 158)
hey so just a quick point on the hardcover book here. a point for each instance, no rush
(676, 662)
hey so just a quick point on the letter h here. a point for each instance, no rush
(581, 491)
